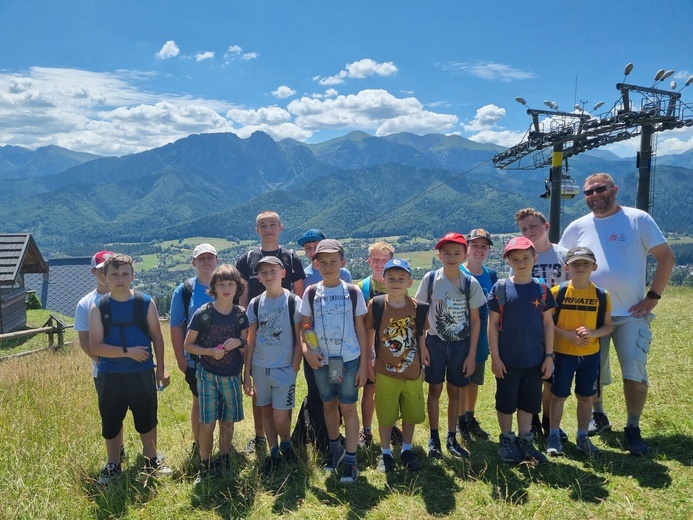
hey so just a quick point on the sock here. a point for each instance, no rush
(509, 435)
(387, 451)
(406, 447)
(367, 429)
(469, 416)
(434, 434)
(633, 421)
(529, 437)
(581, 434)
(350, 458)
(284, 445)
(451, 435)
(598, 407)
(335, 446)
(274, 452)
(555, 431)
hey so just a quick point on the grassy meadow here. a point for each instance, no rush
(52, 452)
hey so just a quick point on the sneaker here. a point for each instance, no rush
(529, 452)
(365, 439)
(110, 473)
(584, 444)
(255, 444)
(508, 450)
(410, 461)
(203, 474)
(455, 449)
(475, 429)
(634, 443)
(271, 463)
(396, 436)
(289, 455)
(554, 446)
(546, 427)
(537, 426)
(386, 464)
(333, 461)
(350, 472)
(463, 430)
(598, 424)
(434, 451)
(156, 465)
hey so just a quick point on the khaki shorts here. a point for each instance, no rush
(395, 398)
(632, 338)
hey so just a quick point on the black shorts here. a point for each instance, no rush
(191, 379)
(519, 389)
(119, 393)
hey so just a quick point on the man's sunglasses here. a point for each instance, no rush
(598, 189)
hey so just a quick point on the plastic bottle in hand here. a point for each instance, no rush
(310, 337)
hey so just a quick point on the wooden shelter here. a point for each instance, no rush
(19, 255)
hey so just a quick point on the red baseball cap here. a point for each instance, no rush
(517, 243)
(100, 258)
(455, 238)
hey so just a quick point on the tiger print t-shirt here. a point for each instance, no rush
(397, 352)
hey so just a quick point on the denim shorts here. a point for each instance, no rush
(447, 359)
(584, 369)
(346, 391)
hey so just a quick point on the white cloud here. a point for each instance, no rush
(207, 55)
(370, 110)
(235, 52)
(234, 49)
(267, 115)
(670, 142)
(359, 69)
(283, 92)
(486, 118)
(505, 138)
(250, 56)
(489, 70)
(169, 50)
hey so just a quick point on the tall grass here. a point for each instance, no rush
(52, 451)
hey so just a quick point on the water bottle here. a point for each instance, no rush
(310, 337)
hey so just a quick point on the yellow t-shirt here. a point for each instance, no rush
(579, 308)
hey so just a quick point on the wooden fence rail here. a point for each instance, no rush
(54, 328)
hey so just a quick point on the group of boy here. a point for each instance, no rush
(541, 326)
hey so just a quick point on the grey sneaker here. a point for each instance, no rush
(110, 473)
(434, 451)
(334, 460)
(553, 445)
(598, 424)
(386, 464)
(508, 449)
(255, 444)
(350, 472)
(634, 443)
(529, 452)
(455, 449)
(584, 444)
(410, 461)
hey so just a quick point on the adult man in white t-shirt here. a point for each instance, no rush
(621, 238)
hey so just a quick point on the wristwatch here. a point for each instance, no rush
(549, 355)
(651, 295)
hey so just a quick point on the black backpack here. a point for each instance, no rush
(601, 297)
(139, 317)
(255, 255)
(206, 312)
(187, 293)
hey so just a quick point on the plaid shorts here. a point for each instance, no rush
(221, 397)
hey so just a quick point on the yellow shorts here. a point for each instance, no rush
(395, 398)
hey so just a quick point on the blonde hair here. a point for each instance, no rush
(381, 247)
(267, 214)
(529, 212)
(228, 273)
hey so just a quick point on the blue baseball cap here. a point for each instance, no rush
(397, 262)
(312, 235)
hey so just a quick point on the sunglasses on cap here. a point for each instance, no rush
(598, 189)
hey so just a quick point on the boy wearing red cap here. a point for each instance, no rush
(520, 334)
(454, 300)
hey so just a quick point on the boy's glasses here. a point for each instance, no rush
(598, 189)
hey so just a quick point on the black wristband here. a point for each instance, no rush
(242, 343)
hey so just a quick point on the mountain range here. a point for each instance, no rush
(355, 185)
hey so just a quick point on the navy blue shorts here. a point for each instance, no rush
(585, 370)
(520, 389)
(447, 359)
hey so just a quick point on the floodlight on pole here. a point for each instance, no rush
(666, 75)
(522, 101)
(597, 105)
(659, 75)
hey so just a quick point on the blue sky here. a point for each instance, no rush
(120, 77)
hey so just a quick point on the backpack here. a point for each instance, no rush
(255, 255)
(601, 297)
(378, 306)
(353, 296)
(500, 296)
(206, 312)
(139, 317)
(187, 293)
(292, 309)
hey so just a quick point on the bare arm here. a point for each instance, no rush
(360, 326)
(249, 349)
(474, 328)
(665, 264)
(84, 344)
(158, 346)
(547, 365)
(299, 287)
(177, 340)
(497, 366)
